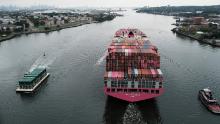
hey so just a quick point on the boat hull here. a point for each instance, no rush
(134, 96)
(212, 108)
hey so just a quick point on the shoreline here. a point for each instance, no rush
(71, 25)
(206, 41)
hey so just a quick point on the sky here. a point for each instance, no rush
(108, 3)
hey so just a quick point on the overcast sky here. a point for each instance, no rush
(108, 3)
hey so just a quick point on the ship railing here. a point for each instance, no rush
(134, 90)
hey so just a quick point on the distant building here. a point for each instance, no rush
(215, 21)
(49, 22)
(6, 27)
(7, 20)
(186, 21)
(198, 20)
(199, 12)
(199, 32)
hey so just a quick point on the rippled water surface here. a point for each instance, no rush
(74, 91)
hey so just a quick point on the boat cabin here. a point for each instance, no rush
(30, 79)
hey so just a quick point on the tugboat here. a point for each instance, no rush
(205, 95)
(32, 80)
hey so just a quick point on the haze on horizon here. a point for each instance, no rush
(107, 3)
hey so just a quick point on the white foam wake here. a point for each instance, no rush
(132, 115)
(43, 61)
(99, 62)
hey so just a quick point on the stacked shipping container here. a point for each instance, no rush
(132, 67)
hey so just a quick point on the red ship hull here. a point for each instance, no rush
(133, 97)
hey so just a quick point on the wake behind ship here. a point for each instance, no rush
(132, 67)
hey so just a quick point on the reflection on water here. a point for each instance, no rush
(121, 112)
(114, 110)
(184, 37)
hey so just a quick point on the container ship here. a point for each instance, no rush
(132, 67)
(32, 80)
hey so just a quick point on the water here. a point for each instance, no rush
(74, 91)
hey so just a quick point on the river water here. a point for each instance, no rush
(74, 91)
